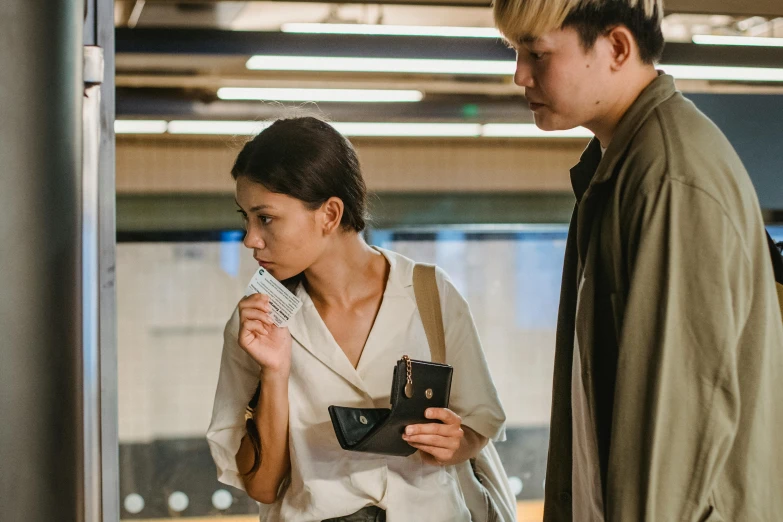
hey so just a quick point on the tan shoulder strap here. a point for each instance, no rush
(428, 301)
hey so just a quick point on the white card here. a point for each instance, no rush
(284, 304)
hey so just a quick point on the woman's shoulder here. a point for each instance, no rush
(402, 270)
(231, 330)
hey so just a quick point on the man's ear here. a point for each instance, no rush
(622, 45)
(331, 214)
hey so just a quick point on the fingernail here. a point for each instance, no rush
(408, 431)
(428, 413)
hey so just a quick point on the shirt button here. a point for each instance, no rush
(363, 419)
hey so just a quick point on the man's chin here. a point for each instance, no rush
(551, 124)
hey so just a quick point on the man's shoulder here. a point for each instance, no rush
(679, 143)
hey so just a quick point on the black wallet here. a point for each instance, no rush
(416, 386)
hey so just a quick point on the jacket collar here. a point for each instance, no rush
(588, 172)
(308, 329)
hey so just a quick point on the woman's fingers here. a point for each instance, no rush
(445, 430)
(253, 327)
(259, 301)
(436, 455)
(434, 441)
(444, 415)
(255, 315)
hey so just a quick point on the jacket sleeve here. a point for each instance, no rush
(237, 382)
(676, 401)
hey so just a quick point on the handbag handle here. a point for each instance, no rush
(425, 287)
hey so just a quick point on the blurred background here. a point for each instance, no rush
(458, 173)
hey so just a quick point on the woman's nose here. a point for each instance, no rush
(253, 239)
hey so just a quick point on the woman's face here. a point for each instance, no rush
(286, 237)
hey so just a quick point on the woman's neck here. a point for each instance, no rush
(349, 271)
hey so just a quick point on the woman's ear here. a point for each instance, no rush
(332, 214)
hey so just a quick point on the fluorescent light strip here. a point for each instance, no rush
(386, 65)
(720, 73)
(392, 30)
(384, 129)
(529, 130)
(409, 129)
(486, 67)
(139, 126)
(230, 128)
(320, 95)
(752, 41)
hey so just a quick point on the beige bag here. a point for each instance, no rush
(483, 480)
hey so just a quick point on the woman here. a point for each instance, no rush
(303, 199)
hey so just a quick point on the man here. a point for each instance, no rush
(668, 384)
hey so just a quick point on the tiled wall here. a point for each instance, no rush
(174, 299)
(173, 302)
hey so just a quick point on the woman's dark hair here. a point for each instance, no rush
(307, 159)
(594, 19)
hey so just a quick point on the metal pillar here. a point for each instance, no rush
(41, 88)
(99, 232)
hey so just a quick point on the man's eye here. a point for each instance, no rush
(536, 56)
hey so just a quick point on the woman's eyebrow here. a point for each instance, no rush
(254, 209)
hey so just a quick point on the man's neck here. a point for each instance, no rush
(605, 125)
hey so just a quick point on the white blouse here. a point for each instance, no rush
(327, 481)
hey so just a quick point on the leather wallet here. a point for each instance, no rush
(416, 386)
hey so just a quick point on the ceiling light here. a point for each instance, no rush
(389, 129)
(754, 41)
(721, 73)
(486, 67)
(230, 128)
(529, 130)
(319, 95)
(409, 129)
(385, 129)
(139, 126)
(392, 30)
(386, 65)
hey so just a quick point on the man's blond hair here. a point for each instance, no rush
(520, 20)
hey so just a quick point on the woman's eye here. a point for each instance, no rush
(265, 220)
(242, 213)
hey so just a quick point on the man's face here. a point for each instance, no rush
(565, 85)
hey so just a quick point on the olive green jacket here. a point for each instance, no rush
(678, 324)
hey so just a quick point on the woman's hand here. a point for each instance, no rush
(439, 443)
(267, 344)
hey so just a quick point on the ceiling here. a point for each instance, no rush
(172, 56)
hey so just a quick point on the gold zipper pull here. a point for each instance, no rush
(409, 371)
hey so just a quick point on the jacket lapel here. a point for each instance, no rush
(310, 332)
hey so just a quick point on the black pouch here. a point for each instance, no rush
(416, 386)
